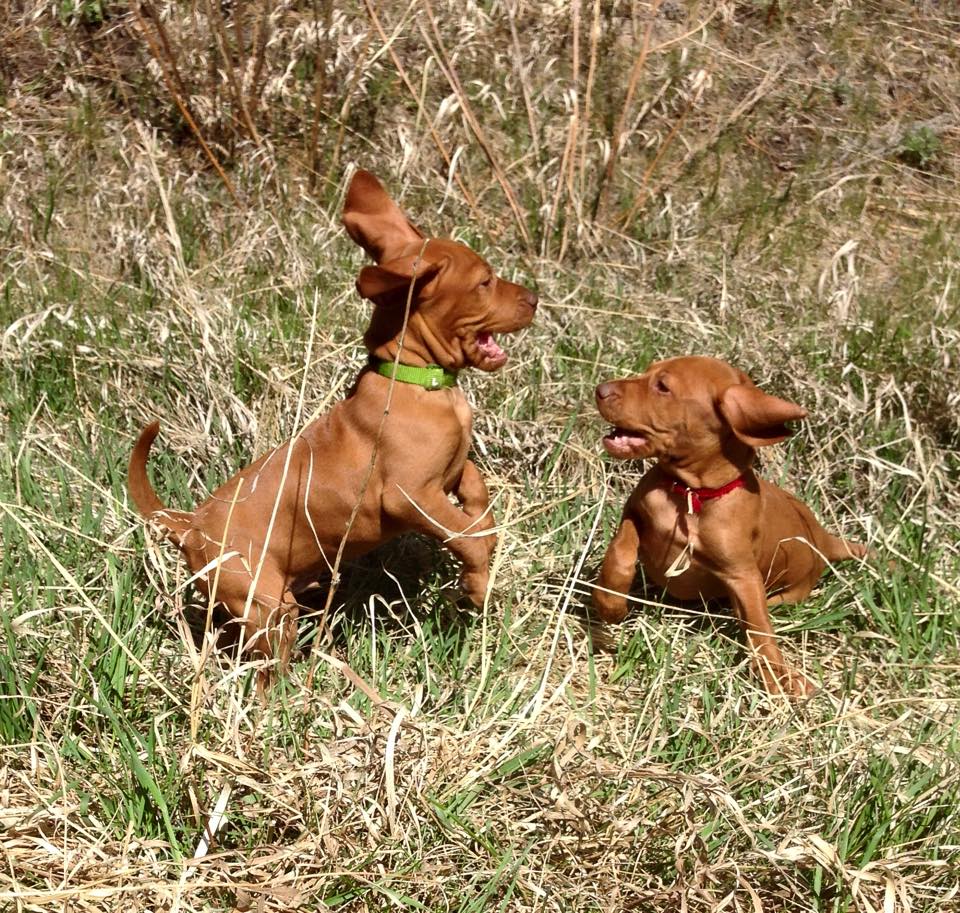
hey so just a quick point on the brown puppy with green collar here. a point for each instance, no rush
(701, 522)
(278, 524)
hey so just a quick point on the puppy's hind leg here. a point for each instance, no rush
(827, 547)
(266, 610)
(837, 549)
(791, 595)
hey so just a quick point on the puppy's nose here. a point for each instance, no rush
(530, 298)
(606, 391)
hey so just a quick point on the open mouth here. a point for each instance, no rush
(490, 352)
(625, 444)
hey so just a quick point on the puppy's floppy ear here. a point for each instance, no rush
(374, 221)
(755, 417)
(381, 284)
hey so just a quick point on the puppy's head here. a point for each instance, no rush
(457, 303)
(690, 409)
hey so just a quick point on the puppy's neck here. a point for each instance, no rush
(411, 354)
(421, 346)
(732, 459)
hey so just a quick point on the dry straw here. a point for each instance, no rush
(775, 185)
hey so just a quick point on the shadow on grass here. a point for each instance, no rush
(405, 576)
(656, 605)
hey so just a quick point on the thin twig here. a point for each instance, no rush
(567, 159)
(518, 57)
(259, 50)
(345, 110)
(165, 42)
(445, 65)
(168, 81)
(319, 88)
(434, 135)
(216, 21)
(617, 134)
(588, 92)
(745, 106)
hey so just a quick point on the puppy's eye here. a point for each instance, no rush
(660, 386)
(486, 283)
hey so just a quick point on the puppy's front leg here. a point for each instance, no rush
(749, 601)
(472, 494)
(617, 573)
(428, 511)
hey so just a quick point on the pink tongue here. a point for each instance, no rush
(488, 345)
(625, 439)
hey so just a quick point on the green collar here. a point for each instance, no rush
(430, 377)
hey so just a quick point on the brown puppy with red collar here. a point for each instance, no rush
(700, 521)
(278, 524)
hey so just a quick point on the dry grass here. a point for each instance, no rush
(774, 183)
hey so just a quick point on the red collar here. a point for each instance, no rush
(696, 496)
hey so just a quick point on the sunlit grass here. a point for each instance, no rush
(419, 755)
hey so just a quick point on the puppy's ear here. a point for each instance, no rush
(755, 417)
(374, 221)
(391, 280)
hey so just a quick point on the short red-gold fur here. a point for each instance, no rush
(701, 420)
(310, 484)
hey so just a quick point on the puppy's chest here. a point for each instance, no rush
(438, 434)
(664, 524)
(463, 415)
(680, 551)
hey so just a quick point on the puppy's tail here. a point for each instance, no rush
(176, 523)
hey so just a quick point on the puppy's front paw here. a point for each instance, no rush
(791, 683)
(474, 585)
(609, 607)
